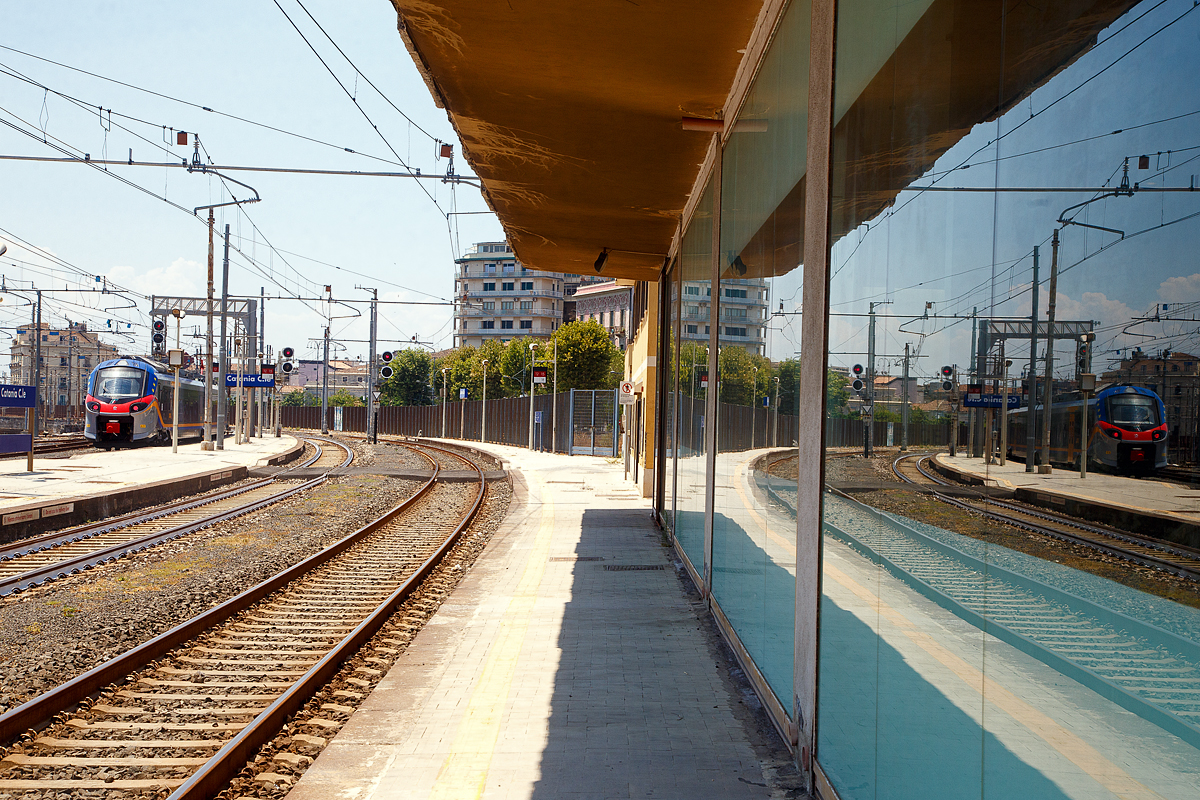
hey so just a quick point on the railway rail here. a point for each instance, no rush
(1140, 666)
(31, 562)
(1176, 559)
(185, 711)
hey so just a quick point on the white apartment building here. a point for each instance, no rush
(497, 298)
(742, 308)
(68, 356)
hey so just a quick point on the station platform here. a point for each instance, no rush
(1158, 508)
(92, 484)
(567, 664)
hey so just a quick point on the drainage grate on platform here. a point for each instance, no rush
(577, 558)
(629, 567)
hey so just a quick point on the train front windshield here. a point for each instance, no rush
(119, 384)
(1133, 410)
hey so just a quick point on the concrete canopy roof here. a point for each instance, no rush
(571, 114)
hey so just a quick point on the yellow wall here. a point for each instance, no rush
(641, 368)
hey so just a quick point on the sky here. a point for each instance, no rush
(1131, 94)
(67, 224)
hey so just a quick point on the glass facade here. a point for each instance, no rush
(762, 231)
(990, 163)
(691, 354)
(988, 167)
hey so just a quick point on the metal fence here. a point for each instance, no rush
(507, 420)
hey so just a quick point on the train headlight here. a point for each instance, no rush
(93, 406)
(136, 407)
(1113, 432)
(1157, 435)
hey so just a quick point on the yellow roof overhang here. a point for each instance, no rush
(571, 115)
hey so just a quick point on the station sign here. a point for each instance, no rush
(250, 381)
(990, 400)
(16, 442)
(462, 393)
(539, 374)
(17, 396)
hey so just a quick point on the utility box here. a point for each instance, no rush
(175, 358)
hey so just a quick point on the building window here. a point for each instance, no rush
(689, 329)
(735, 292)
(487, 324)
(489, 287)
(734, 331)
(489, 305)
(735, 312)
(506, 323)
(691, 290)
(526, 305)
(526, 324)
(526, 286)
(489, 269)
(507, 286)
(706, 330)
(506, 305)
(510, 269)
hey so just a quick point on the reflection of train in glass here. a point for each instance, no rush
(1127, 430)
(130, 401)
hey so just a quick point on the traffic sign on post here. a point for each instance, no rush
(539, 374)
(627, 396)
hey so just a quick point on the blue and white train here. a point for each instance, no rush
(130, 401)
(1126, 425)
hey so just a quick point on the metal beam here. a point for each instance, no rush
(1020, 329)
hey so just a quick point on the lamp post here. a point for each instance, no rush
(177, 358)
(444, 371)
(753, 407)
(483, 413)
(532, 347)
(775, 430)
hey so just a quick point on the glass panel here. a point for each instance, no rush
(991, 167)
(692, 355)
(762, 237)
(670, 432)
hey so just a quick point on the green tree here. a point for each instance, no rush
(837, 394)
(493, 351)
(454, 370)
(741, 383)
(788, 373)
(587, 357)
(514, 367)
(409, 384)
(693, 364)
(298, 399)
(343, 398)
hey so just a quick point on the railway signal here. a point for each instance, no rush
(159, 337)
(386, 372)
(386, 356)
(1083, 354)
(288, 366)
(947, 373)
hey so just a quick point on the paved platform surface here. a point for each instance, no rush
(87, 473)
(547, 674)
(1141, 495)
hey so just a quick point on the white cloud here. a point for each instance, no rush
(183, 277)
(1180, 289)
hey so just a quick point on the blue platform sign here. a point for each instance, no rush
(16, 442)
(991, 400)
(16, 396)
(250, 381)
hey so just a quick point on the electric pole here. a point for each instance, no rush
(904, 403)
(325, 385)
(208, 346)
(222, 395)
(1049, 393)
(371, 361)
(1031, 401)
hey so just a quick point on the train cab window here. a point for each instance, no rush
(1133, 409)
(119, 384)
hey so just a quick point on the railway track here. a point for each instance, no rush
(1176, 559)
(1142, 667)
(185, 711)
(31, 562)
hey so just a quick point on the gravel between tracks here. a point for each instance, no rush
(50, 634)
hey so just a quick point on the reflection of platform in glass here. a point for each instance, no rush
(999, 715)
(1144, 505)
